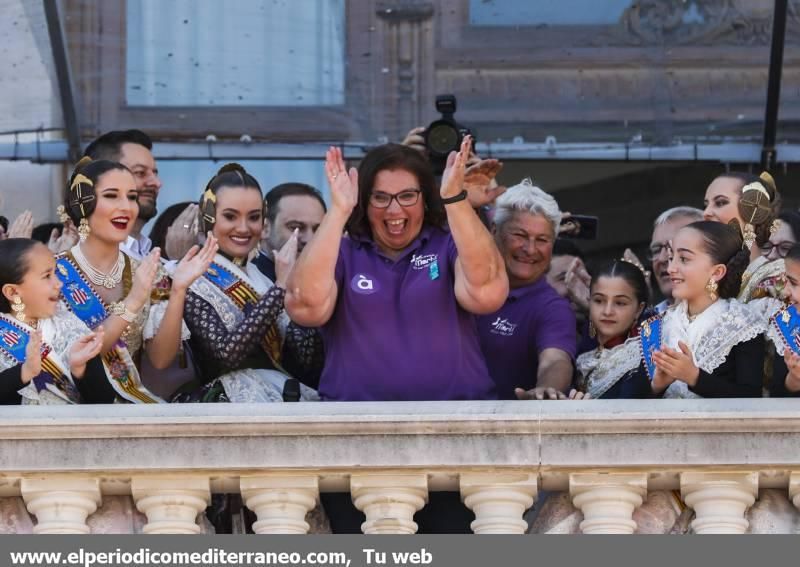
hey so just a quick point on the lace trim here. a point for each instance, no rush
(156, 317)
(601, 369)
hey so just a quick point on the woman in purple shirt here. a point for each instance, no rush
(396, 298)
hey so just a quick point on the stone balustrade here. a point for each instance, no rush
(64, 460)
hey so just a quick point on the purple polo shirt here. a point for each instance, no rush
(533, 318)
(397, 332)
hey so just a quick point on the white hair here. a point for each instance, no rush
(527, 198)
(678, 212)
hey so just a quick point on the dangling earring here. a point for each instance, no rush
(18, 308)
(711, 289)
(773, 228)
(62, 214)
(83, 229)
(749, 236)
(592, 330)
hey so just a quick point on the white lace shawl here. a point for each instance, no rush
(710, 337)
(228, 312)
(60, 332)
(602, 368)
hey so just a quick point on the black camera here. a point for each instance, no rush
(444, 135)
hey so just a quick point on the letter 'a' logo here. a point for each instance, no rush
(364, 284)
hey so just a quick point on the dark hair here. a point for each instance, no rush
(628, 272)
(274, 196)
(566, 247)
(392, 157)
(42, 232)
(754, 207)
(725, 246)
(4, 222)
(794, 253)
(158, 234)
(109, 145)
(80, 196)
(229, 175)
(792, 218)
(13, 264)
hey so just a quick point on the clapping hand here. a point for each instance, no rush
(194, 264)
(83, 350)
(793, 366)
(578, 282)
(344, 185)
(143, 281)
(677, 364)
(285, 259)
(69, 238)
(32, 366)
(22, 227)
(182, 233)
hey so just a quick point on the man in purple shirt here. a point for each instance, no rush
(529, 343)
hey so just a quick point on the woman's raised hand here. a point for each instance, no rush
(143, 281)
(194, 264)
(285, 259)
(344, 185)
(453, 176)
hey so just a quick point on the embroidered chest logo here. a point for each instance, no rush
(504, 327)
(423, 261)
(364, 284)
(77, 294)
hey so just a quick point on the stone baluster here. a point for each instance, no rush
(498, 500)
(719, 500)
(608, 500)
(389, 501)
(171, 504)
(61, 504)
(280, 502)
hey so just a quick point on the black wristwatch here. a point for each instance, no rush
(460, 197)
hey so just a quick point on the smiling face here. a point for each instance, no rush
(793, 280)
(142, 164)
(295, 212)
(526, 242)
(721, 203)
(117, 207)
(613, 308)
(395, 227)
(659, 251)
(780, 242)
(239, 220)
(39, 289)
(691, 267)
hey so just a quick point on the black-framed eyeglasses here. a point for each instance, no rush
(407, 198)
(782, 248)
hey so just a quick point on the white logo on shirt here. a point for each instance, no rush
(364, 284)
(423, 261)
(503, 327)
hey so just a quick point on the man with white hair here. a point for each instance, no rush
(529, 344)
(665, 228)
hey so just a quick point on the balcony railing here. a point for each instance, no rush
(607, 454)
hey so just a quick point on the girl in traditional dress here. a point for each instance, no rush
(47, 355)
(753, 202)
(708, 344)
(243, 341)
(784, 332)
(103, 285)
(618, 296)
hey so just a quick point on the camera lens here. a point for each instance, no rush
(443, 138)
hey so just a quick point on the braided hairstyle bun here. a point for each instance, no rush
(759, 203)
(80, 195)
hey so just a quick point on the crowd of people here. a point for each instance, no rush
(404, 287)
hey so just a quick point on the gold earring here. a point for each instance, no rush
(749, 236)
(773, 228)
(18, 308)
(83, 229)
(592, 330)
(711, 289)
(62, 214)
